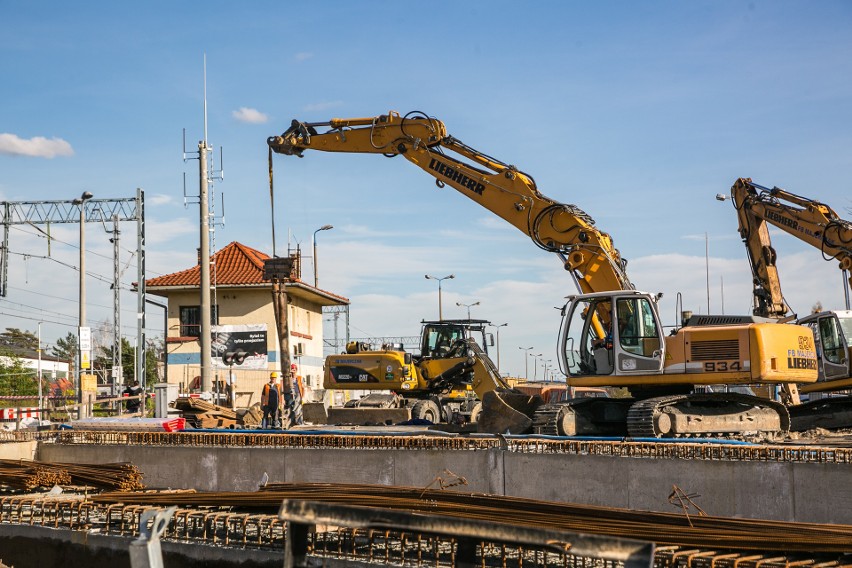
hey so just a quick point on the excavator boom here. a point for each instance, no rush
(806, 219)
(509, 193)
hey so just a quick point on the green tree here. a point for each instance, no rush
(14, 337)
(128, 362)
(15, 378)
(65, 348)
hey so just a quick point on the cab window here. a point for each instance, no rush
(832, 349)
(637, 327)
(439, 340)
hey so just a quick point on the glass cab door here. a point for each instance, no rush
(611, 335)
(832, 349)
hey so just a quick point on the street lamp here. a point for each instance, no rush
(323, 228)
(440, 307)
(526, 362)
(535, 366)
(546, 363)
(498, 342)
(81, 201)
(468, 306)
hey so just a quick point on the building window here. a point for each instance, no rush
(190, 320)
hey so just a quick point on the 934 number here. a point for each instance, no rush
(721, 366)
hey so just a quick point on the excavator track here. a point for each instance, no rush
(546, 419)
(583, 417)
(705, 414)
(832, 413)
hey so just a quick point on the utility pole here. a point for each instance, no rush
(205, 328)
(117, 375)
(206, 313)
(84, 333)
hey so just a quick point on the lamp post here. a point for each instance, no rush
(535, 366)
(498, 342)
(468, 306)
(323, 228)
(81, 201)
(546, 363)
(526, 362)
(440, 306)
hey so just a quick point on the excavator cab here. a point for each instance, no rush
(446, 338)
(832, 336)
(612, 333)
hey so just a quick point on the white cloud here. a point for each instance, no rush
(323, 106)
(36, 147)
(158, 232)
(159, 199)
(250, 115)
(303, 56)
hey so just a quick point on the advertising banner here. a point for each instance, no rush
(239, 346)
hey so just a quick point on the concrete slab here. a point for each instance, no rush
(18, 450)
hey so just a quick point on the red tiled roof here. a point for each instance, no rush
(233, 265)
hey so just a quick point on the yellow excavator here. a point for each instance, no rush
(611, 334)
(818, 225)
(441, 384)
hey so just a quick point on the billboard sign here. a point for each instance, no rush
(239, 346)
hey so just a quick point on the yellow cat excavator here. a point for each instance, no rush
(818, 225)
(439, 384)
(611, 334)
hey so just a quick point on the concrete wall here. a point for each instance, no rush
(18, 450)
(815, 492)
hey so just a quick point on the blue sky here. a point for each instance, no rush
(639, 113)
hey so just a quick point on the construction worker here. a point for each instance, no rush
(270, 402)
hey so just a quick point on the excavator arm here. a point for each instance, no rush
(806, 219)
(504, 190)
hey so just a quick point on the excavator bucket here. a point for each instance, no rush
(507, 412)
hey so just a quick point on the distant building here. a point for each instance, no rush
(245, 344)
(51, 367)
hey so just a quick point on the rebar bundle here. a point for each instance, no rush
(29, 475)
(661, 528)
(110, 476)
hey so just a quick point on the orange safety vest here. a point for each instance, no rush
(264, 395)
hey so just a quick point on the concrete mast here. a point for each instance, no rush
(204, 254)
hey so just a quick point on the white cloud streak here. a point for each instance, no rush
(36, 147)
(250, 115)
(159, 232)
(160, 199)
